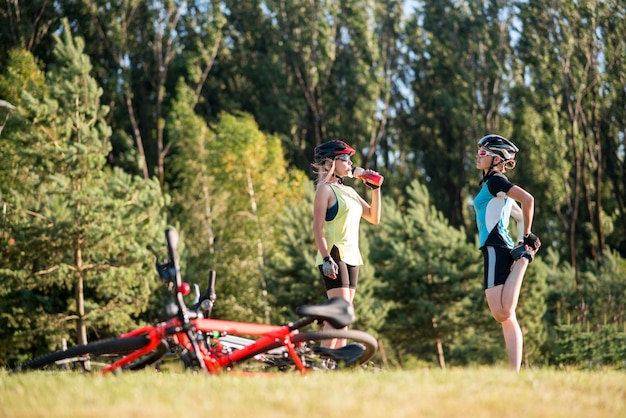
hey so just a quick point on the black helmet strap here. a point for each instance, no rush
(491, 170)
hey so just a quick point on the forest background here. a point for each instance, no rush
(133, 115)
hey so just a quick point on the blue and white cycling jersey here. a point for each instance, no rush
(493, 211)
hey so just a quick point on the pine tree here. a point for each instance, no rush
(79, 266)
(431, 276)
(295, 279)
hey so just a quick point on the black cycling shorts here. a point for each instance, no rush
(348, 276)
(498, 262)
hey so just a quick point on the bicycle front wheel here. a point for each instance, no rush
(89, 357)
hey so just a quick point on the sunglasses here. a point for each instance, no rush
(343, 157)
(483, 153)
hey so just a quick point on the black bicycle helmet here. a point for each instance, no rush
(499, 145)
(332, 149)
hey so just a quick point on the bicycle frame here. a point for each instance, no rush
(214, 361)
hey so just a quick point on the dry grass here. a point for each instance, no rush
(472, 392)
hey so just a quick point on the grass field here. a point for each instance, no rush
(472, 392)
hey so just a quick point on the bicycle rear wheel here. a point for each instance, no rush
(360, 348)
(91, 357)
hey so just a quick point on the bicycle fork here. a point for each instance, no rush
(294, 355)
(154, 339)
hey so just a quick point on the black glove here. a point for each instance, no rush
(532, 241)
(330, 268)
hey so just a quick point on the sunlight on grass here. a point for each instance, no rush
(484, 392)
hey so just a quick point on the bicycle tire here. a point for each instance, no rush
(110, 349)
(308, 344)
(369, 342)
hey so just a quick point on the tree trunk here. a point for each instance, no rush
(137, 136)
(440, 356)
(441, 359)
(79, 296)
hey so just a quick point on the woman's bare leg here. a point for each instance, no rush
(347, 294)
(502, 302)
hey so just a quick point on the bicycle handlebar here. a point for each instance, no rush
(207, 300)
(171, 237)
(170, 272)
(173, 272)
(210, 290)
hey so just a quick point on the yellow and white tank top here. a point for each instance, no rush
(343, 230)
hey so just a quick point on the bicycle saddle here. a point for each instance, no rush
(338, 312)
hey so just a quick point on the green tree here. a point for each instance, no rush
(252, 75)
(230, 179)
(28, 26)
(359, 92)
(564, 52)
(585, 321)
(457, 55)
(140, 49)
(320, 70)
(295, 279)
(310, 35)
(612, 16)
(21, 73)
(79, 264)
(198, 201)
(431, 277)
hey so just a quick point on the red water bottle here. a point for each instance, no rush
(371, 177)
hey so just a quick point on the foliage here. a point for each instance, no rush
(430, 275)
(586, 324)
(600, 302)
(230, 179)
(576, 345)
(76, 264)
(457, 56)
(223, 101)
(564, 79)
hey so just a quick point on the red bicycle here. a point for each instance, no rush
(215, 345)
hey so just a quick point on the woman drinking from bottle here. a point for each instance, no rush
(337, 213)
